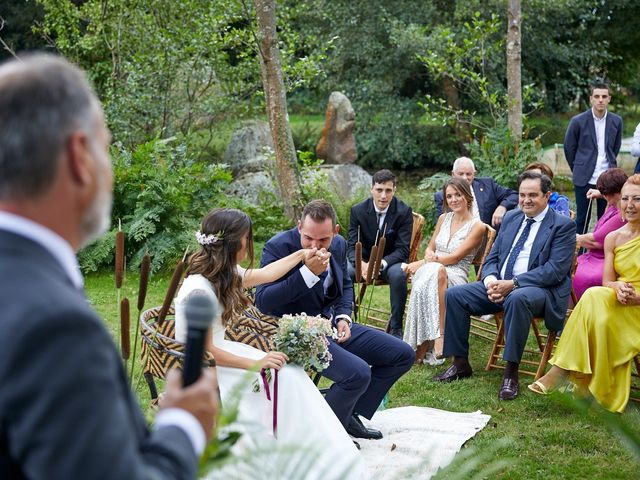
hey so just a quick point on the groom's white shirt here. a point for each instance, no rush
(64, 254)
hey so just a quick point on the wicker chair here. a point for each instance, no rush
(160, 350)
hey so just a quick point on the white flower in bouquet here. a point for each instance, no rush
(303, 338)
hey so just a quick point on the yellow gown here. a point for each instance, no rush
(602, 336)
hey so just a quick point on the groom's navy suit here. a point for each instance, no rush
(365, 366)
(66, 409)
(544, 288)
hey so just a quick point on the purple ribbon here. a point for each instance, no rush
(267, 391)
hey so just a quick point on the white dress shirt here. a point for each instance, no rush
(64, 254)
(601, 163)
(383, 215)
(522, 262)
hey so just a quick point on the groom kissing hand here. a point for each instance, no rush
(366, 362)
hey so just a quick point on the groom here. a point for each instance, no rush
(366, 362)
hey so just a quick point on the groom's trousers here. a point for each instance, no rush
(363, 370)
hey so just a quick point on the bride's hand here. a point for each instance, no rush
(308, 253)
(275, 360)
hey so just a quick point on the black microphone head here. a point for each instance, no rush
(200, 310)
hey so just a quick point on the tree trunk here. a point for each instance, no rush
(514, 59)
(276, 100)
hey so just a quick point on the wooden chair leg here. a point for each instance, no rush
(546, 353)
(536, 332)
(497, 344)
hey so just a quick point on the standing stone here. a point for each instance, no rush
(338, 143)
(249, 148)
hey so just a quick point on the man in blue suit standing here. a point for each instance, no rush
(591, 145)
(490, 200)
(366, 362)
(527, 274)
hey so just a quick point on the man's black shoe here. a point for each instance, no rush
(356, 444)
(355, 428)
(509, 389)
(453, 373)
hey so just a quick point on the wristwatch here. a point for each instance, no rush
(516, 284)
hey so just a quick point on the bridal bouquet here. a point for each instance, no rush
(303, 338)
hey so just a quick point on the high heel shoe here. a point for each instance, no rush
(431, 359)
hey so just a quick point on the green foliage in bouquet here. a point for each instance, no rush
(303, 338)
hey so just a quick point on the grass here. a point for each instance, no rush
(543, 437)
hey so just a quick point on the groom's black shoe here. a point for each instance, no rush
(355, 428)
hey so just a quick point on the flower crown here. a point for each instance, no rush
(208, 239)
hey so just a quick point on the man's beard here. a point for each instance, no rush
(97, 219)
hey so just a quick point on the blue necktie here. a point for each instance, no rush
(517, 248)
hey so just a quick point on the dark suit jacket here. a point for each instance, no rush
(66, 410)
(488, 194)
(399, 223)
(290, 293)
(581, 147)
(549, 263)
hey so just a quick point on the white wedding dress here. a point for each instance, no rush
(423, 314)
(304, 420)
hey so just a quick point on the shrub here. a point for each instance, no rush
(160, 195)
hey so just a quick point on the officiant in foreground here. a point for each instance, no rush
(66, 410)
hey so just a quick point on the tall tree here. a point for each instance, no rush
(276, 102)
(514, 61)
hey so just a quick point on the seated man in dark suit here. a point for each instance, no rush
(490, 200)
(384, 214)
(527, 274)
(66, 410)
(366, 362)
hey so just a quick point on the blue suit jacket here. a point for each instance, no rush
(290, 293)
(489, 195)
(581, 147)
(549, 263)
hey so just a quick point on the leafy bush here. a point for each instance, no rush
(160, 195)
(498, 155)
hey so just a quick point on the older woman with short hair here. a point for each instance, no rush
(590, 264)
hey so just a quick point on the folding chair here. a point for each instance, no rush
(539, 357)
(635, 381)
(379, 317)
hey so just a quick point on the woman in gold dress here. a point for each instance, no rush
(602, 335)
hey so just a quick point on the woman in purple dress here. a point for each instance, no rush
(591, 264)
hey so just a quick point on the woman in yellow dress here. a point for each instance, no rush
(602, 335)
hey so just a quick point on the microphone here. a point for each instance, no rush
(199, 311)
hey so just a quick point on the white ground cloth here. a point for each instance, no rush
(425, 440)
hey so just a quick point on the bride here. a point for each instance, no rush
(303, 416)
(446, 262)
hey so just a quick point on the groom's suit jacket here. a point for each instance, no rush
(290, 293)
(549, 263)
(66, 410)
(581, 144)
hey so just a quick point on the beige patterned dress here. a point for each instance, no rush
(423, 315)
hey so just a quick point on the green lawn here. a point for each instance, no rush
(541, 437)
